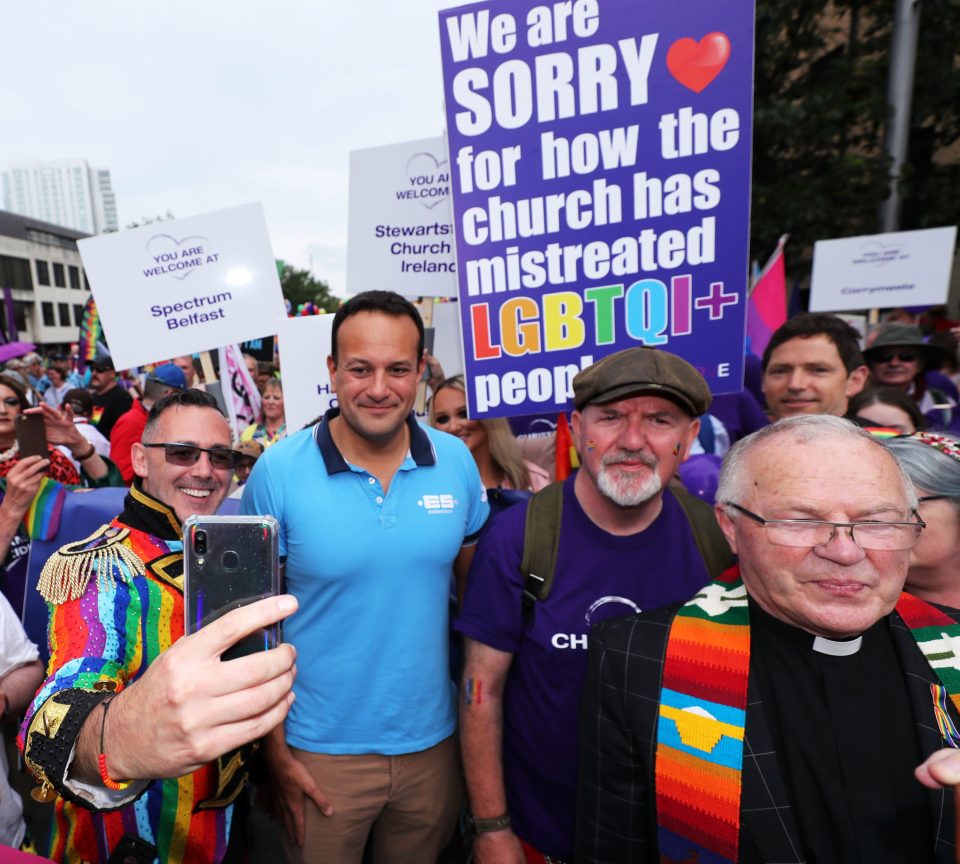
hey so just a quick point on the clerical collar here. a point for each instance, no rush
(801, 639)
(145, 513)
(837, 647)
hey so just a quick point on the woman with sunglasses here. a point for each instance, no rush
(932, 462)
(272, 425)
(899, 357)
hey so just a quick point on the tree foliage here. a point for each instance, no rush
(150, 220)
(820, 169)
(300, 286)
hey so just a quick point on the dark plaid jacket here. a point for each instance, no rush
(616, 812)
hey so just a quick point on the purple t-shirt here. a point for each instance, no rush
(598, 576)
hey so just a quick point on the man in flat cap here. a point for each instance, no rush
(608, 541)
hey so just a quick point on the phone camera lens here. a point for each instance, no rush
(200, 542)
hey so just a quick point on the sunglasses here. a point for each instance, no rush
(186, 455)
(97, 368)
(902, 356)
(245, 462)
(11, 401)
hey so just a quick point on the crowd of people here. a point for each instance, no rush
(727, 636)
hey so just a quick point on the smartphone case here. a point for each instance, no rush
(230, 561)
(31, 435)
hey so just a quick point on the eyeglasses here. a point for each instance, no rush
(807, 533)
(934, 498)
(186, 455)
(97, 368)
(902, 356)
(11, 401)
(244, 462)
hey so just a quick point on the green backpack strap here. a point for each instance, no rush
(541, 540)
(710, 541)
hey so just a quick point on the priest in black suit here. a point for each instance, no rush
(781, 714)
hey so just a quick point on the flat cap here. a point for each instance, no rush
(642, 372)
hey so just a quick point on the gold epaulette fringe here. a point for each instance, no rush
(67, 573)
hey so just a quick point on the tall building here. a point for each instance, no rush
(65, 192)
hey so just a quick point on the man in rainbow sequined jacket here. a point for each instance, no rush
(157, 774)
(782, 713)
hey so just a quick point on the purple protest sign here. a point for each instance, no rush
(600, 156)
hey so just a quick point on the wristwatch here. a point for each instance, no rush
(485, 826)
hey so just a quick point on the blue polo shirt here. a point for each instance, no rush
(372, 573)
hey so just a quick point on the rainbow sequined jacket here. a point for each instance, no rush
(115, 602)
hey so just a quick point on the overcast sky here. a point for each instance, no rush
(198, 106)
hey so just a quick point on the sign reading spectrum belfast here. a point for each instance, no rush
(600, 172)
(184, 286)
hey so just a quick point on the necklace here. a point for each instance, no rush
(10, 452)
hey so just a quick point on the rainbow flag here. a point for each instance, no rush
(42, 519)
(91, 331)
(767, 306)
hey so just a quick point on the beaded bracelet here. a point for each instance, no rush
(102, 756)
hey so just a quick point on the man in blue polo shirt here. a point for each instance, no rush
(376, 514)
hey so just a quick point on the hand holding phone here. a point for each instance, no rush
(230, 561)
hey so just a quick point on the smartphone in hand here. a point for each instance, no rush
(230, 561)
(31, 435)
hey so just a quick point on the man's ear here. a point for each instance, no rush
(857, 380)
(727, 526)
(691, 436)
(138, 457)
(331, 368)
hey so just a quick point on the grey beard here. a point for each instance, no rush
(627, 491)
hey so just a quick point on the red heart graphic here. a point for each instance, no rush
(695, 64)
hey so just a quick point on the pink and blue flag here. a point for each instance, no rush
(767, 306)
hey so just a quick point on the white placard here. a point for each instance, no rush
(305, 346)
(184, 286)
(400, 230)
(906, 268)
(447, 346)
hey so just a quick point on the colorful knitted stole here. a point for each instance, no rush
(703, 700)
(938, 637)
